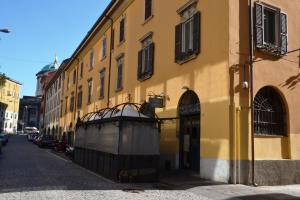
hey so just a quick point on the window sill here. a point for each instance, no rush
(145, 77)
(101, 98)
(121, 42)
(270, 49)
(269, 136)
(186, 59)
(147, 20)
(119, 89)
(103, 58)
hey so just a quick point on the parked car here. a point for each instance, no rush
(60, 146)
(31, 130)
(70, 151)
(45, 141)
(37, 138)
(3, 139)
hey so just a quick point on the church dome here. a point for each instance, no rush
(50, 67)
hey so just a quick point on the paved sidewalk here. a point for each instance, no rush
(30, 173)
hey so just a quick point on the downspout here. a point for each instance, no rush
(251, 92)
(76, 85)
(110, 57)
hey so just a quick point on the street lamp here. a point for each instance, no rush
(5, 30)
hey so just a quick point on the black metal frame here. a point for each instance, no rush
(269, 113)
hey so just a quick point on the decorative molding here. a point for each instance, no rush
(186, 6)
(149, 34)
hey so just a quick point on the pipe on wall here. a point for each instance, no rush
(251, 92)
(110, 57)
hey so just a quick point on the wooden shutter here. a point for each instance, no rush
(283, 30)
(178, 42)
(140, 60)
(148, 8)
(196, 33)
(122, 28)
(259, 25)
(120, 73)
(151, 59)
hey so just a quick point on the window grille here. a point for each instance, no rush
(269, 113)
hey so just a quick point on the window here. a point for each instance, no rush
(61, 108)
(79, 98)
(112, 39)
(59, 82)
(102, 83)
(146, 59)
(72, 103)
(74, 76)
(271, 29)
(90, 85)
(187, 35)
(269, 113)
(103, 54)
(120, 62)
(81, 69)
(91, 59)
(148, 9)
(122, 30)
(66, 106)
(68, 83)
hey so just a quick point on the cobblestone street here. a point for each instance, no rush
(28, 172)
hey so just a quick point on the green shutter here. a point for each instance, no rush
(196, 33)
(178, 42)
(283, 25)
(259, 24)
(139, 70)
(151, 60)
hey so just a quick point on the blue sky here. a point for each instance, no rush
(41, 29)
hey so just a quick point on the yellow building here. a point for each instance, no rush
(195, 56)
(9, 105)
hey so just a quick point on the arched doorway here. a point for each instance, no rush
(189, 137)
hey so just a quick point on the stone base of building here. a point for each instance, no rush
(267, 172)
(271, 172)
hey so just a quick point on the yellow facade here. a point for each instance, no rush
(10, 99)
(215, 76)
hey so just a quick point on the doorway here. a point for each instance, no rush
(189, 138)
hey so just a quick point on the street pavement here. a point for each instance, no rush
(28, 172)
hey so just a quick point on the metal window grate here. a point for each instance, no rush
(269, 113)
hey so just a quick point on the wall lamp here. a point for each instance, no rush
(5, 30)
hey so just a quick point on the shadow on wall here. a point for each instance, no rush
(291, 82)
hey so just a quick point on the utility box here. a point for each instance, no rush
(119, 143)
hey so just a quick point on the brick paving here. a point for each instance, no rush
(28, 172)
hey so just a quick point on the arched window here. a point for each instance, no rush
(269, 113)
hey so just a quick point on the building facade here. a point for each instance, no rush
(227, 72)
(9, 105)
(43, 78)
(29, 112)
(53, 94)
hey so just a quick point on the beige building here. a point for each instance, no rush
(9, 105)
(53, 96)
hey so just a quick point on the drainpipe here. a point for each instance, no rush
(110, 57)
(76, 85)
(251, 92)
